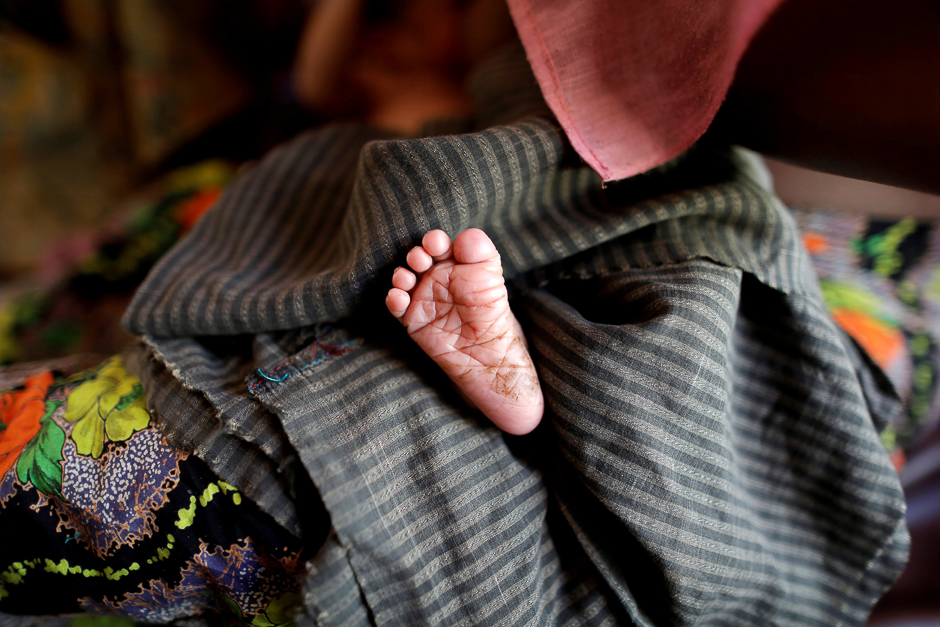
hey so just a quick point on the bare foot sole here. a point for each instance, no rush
(454, 305)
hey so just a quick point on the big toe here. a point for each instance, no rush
(474, 246)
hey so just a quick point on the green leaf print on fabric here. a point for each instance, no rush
(40, 463)
(280, 612)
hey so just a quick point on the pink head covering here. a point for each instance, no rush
(635, 82)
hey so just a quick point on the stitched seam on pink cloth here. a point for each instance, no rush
(550, 66)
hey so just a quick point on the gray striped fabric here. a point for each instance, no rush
(708, 455)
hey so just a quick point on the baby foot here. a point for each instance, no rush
(457, 310)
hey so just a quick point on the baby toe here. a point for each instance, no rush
(474, 246)
(419, 260)
(403, 279)
(436, 243)
(397, 302)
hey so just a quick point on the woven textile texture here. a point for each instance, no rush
(633, 83)
(709, 454)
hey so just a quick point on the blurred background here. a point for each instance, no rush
(99, 97)
(121, 121)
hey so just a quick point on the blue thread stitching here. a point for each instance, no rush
(275, 380)
(301, 369)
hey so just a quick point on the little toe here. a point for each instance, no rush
(418, 259)
(397, 302)
(437, 244)
(403, 279)
(474, 246)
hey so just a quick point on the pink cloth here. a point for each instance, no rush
(635, 82)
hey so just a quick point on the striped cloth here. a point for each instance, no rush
(709, 453)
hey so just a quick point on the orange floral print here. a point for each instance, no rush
(20, 413)
(191, 210)
(882, 342)
(815, 243)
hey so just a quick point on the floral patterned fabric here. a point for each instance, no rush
(881, 282)
(107, 518)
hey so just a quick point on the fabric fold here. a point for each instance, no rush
(635, 83)
(708, 454)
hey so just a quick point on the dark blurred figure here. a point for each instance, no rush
(258, 39)
(40, 18)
